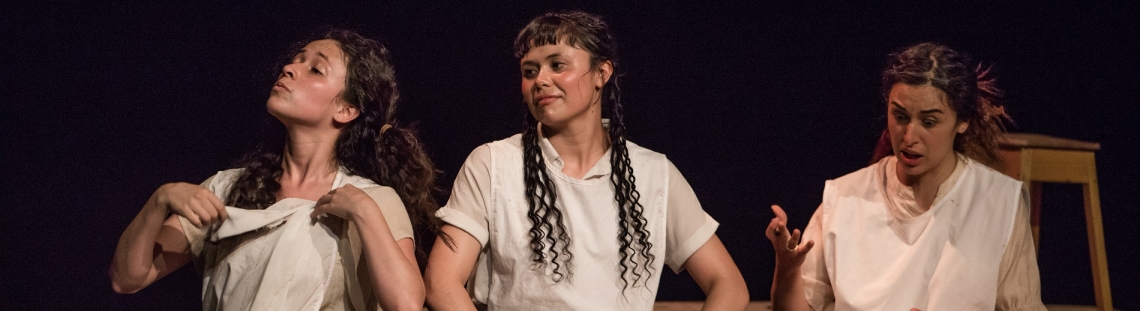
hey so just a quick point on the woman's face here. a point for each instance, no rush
(922, 128)
(559, 86)
(308, 92)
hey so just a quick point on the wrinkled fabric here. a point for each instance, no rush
(488, 201)
(875, 251)
(277, 271)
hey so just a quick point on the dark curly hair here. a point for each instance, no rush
(587, 32)
(393, 157)
(970, 90)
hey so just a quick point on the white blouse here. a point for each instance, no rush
(489, 202)
(972, 246)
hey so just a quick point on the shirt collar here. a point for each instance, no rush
(554, 162)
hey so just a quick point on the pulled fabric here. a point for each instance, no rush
(289, 268)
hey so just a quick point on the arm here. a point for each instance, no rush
(153, 245)
(717, 275)
(448, 269)
(393, 271)
(787, 282)
(1019, 282)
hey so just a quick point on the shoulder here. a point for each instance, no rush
(384, 196)
(511, 144)
(359, 181)
(638, 153)
(865, 174)
(980, 179)
(222, 181)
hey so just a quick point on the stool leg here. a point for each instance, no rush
(1096, 246)
(1035, 214)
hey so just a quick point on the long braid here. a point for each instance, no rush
(633, 237)
(590, 33)
(546, 219)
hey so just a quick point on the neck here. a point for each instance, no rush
(580, 145)
(309, 157)
(925, 186)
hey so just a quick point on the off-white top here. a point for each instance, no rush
(345, 285)
(1018, 285)
(489, 202)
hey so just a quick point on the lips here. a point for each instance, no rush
(543, 100)
(281, 85)
(909, 157)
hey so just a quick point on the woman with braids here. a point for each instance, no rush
(323, 222)
(569, 215)
(928, 225)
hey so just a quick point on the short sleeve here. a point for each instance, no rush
(467, 207)
(688, 226)
(817, 284)
(1019, 281)
(394, 212)
(195, 236)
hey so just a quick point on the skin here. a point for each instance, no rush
(307, 100)
(562, 89)
(922, 127)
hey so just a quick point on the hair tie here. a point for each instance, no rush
(385, 128)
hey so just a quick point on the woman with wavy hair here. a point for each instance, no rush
(570, 215)
(326, 221)
(928, 225)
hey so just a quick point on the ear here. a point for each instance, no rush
(605, 70)
(345, 113)
(962, 126)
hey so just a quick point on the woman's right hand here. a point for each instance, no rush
(199, 205)
(789, 254)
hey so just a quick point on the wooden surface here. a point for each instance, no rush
(1035, 159)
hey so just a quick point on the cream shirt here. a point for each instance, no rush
(1018, 280)
(488, 201)
(343, 281)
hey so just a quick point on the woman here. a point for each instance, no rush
(569, 215)
(928, 225)
(344, 157)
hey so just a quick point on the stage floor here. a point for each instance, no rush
(765, 306)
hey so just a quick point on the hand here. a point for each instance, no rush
(199, 205)
(344, 202)
(788, 252)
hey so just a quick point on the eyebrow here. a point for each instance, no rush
(531, 62)
(927, 111)
(322, 55)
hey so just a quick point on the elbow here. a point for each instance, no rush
(124, 287)
(124, 284)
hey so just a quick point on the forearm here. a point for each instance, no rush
(449, 297)
(133, 265)
(788, 290)
(726, 295)
(395, 279)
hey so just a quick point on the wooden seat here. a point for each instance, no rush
(1037, 159)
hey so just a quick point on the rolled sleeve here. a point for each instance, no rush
(1019, 282)
(688, 226)
(467, 207)
(817, 284)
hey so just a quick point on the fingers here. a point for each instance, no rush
(193, 218)
(215, 203)
(779, 213)
(794, 239)
(802, 250)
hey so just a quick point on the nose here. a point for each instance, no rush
(289, 70)
(908, 137)
(542, 79)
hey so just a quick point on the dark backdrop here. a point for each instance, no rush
(755, 103)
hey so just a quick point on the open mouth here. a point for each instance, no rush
(909, 157)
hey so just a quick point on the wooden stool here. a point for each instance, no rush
(1035, 159)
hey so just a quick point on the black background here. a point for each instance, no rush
(756, 103)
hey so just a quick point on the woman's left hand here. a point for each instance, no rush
(345, 202)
